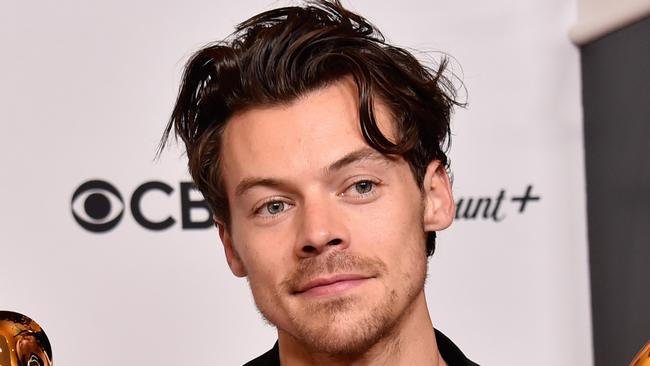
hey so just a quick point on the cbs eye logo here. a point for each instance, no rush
(97, 206)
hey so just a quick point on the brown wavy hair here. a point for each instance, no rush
(282, 54)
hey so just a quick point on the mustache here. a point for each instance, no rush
(334, 263)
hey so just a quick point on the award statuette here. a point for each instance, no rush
(22, 341)
(643, 357)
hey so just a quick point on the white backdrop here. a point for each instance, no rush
(86, 89)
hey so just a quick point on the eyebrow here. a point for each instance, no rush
(251, 182)
(365, 153)
(362, 154)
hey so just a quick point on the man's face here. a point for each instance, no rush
(329, 232)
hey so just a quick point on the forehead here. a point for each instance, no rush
(296, 139)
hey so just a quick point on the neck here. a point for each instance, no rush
(412, 342)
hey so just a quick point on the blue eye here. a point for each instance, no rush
(274, 207)
(364, 186)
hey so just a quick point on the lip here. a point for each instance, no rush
(333, 285)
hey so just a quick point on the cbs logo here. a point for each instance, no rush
(98, 206)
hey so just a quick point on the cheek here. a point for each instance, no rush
(267, 265)
(393, 229)
(263, 254)
(265, 273)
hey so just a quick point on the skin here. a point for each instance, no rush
(310, 201)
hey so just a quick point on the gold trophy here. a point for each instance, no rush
(22, 342)
(643, 357)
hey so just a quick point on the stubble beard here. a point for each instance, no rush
(339, 327)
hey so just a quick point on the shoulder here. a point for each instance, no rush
(449, 351)
(270, 358)
(452, 355)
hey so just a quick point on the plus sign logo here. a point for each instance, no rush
(525, 198)
(494, 207)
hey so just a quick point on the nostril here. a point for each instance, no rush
(334, 242)
(308, 249)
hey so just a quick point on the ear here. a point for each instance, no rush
(439, 206)
(234, 261)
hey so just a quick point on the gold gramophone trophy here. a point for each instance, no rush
(22, 341)
(643, 357)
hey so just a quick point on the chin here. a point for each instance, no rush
(340, 327)
(348, 337)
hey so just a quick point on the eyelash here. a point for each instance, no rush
(359, 196)
(257, 210)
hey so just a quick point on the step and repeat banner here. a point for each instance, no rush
(112, 251)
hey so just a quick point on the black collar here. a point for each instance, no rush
(448, 350)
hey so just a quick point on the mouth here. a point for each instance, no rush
(333, 285)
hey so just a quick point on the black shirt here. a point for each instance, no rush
(448, 350)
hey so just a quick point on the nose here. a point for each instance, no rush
(321, 228)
